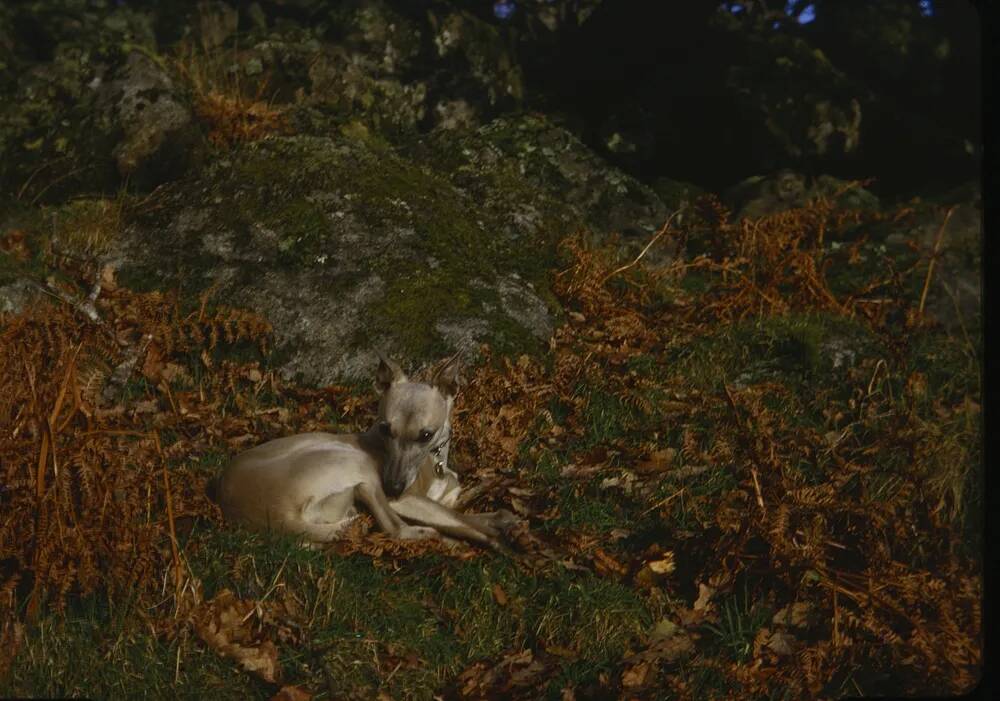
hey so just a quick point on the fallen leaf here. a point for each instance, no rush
(499, 595)
(509, 678)
(705, 593)
(619, 533)
(606, 565)
(520, 507)
(781, 643)
(291, 693)
(664, 629)
(794, 614)
(667, 648)
(225, 625)
(637, 675)
(658, 461)
(152, 365)
(559, 651)
(665, 565)
(675, 647)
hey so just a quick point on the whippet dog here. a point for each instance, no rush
(310, 484)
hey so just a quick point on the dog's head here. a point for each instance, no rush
(414, 421)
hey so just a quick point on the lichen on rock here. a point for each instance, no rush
(347, 246)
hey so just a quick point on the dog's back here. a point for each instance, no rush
(272, 485)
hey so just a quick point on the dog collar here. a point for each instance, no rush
(438, 460)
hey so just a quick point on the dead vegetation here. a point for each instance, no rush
(234, 108)
(789, 533)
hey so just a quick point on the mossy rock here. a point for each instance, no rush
(57, 122)
(347, 247)
(527, 154)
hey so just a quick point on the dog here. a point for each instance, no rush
(310, 484)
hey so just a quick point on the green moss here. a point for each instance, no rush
(951, 366)
(388, 193)
(798, 349)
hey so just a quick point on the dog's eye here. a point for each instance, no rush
(425, 435)
(385, 429)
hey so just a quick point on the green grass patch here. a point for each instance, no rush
(586, 508)
(355, 611)
(104, 651)
(813, 349)
(739, 620)
(355, 614)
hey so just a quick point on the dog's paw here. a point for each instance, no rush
(417, 533)
(503, 520)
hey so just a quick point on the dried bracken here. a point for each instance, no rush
(84, 462)
(838, 540)
(104, 421)
(233, 111)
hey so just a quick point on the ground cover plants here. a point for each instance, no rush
(751, 472)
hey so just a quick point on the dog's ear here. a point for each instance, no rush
(388, 373)
(446, 377)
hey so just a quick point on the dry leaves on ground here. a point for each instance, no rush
(233, 628)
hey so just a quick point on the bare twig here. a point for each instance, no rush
(663, 502)
(970, 346)
(64, 176)
(178, 575)
(934, 255)
(85, 307)
(749, 449)
(663, 229)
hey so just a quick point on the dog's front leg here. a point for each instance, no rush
(479, 528)
(375, 500)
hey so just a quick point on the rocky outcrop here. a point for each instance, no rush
(348, 245)
(766, 194)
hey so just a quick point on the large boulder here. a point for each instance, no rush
(348, 245)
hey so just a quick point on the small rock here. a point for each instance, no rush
(159, 134)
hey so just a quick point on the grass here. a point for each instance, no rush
(779, 471)
(103, 650)
(797, 349)
(356, 613)
(739, 621)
